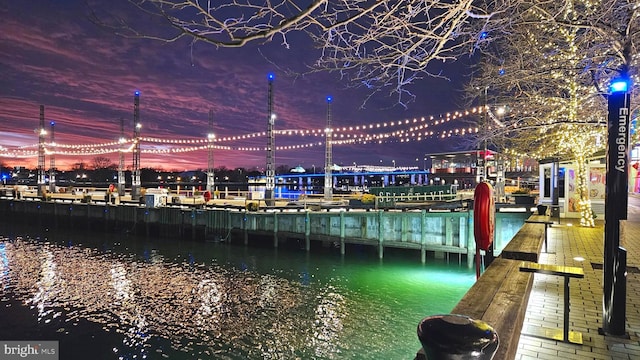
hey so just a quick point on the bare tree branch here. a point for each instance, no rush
(374, 44)
(387, 44)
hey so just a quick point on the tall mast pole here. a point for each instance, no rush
(270, 170)
(135, 180)
(52, 159)
(328, 161)
(41, 160)
(210, 139)
(122, 141)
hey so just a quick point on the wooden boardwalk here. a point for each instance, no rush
(568, 245)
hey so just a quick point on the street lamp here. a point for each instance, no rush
(394, 164)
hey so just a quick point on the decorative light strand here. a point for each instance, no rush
(378, 139)
(407, 130)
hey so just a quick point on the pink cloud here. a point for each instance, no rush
(85, 77)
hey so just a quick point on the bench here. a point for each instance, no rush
(567, 272)
(500, 299)
(541, 219)
(500, 296)
(526, 245)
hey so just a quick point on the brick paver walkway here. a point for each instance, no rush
(545, 307)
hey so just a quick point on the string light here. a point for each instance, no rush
(406, 130)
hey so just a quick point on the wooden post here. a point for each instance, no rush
(55, 215)
(470, 252)
(208, 220)
(307, 231)
(193, 224)
(181, 229)
(342, 251)
(245, 225)
(423, 236)
(228, 227)
(380, 235)
(404, 227)
(106, 217)
(87, 217)
(275, 229)
(448, 230)
(146, 221)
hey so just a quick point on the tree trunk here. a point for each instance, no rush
(586, 213)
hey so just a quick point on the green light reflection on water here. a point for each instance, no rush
(394, 298)
(364, 307)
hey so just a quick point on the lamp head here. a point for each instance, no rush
(619, 85)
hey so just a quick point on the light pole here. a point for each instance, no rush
(394, 164)
(41, 153)
(52, 158)
(121, 151)
(135, 175)
(270, 170)
(210, 159)
(328, 157)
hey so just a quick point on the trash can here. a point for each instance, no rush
(542, 209)
(457, 337)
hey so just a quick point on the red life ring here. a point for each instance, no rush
(207, 195)
(112, 188)
(483, 215)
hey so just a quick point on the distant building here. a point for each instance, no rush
(466, 169)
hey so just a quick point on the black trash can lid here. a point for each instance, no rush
(457, 337)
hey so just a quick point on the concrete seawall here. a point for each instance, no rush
(443, 233)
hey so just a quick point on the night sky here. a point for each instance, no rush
(85, 76)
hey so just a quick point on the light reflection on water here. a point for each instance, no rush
(226, 302)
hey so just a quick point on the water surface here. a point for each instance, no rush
(116, 296)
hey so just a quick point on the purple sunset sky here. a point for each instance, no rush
(85, 76)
